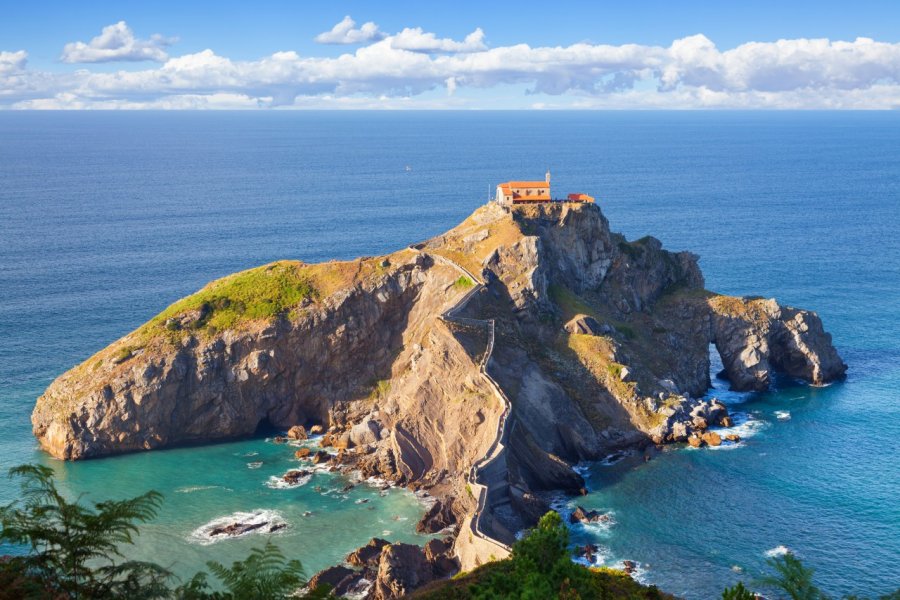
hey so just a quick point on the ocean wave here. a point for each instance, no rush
(189, 489)
(777, 551)
(239, 524)
(255, 464)
(783, 415)
(601, 556)
(565, 507)
(745, 426)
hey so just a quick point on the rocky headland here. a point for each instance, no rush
(532, 335)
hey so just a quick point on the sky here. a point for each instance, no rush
(450, 55)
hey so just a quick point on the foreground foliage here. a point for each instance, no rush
(75, 552)
(540, 567)
(790, 579)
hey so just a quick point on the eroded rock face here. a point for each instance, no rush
(383, 571)
(223, 387)
(755, 338)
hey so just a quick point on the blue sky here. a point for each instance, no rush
(649, 54)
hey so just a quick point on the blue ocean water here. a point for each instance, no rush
(105, 218)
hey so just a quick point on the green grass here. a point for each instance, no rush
(463, 283)
(569, 302)
(381, 389)
(261, 293)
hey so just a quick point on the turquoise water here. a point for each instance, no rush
(106, 218)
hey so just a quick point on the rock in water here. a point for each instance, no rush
(297, 432)
(712, 438)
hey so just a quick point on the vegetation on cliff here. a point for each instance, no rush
(539, 567)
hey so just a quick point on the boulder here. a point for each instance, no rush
(581, 515)
(733, 437)
(294, 475)
(368, 555)
(584, 325)
(320, 457)
(726, 421)
(297, 432)
(336, 578)
(316, 429)
(367, 432)
(438, 517)
(712, 438)
(695, 441)
(341, 442)
(302, 453)
(401, 569)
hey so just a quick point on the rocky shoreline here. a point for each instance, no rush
(599, 344)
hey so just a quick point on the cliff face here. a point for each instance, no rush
(600, 343)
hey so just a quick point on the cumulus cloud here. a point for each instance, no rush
(12, 62)
(116, 42)
(346, 32)
(417, 40)
(689, 73)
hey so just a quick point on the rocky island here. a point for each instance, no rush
(479, 365)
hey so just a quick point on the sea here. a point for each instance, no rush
(108, 217)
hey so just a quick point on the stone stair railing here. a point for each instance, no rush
(479, 490)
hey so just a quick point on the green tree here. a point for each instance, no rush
(74, 552)
(792, 578)
(738, 592)
(266, 573)
(73, 549)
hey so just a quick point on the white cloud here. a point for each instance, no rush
(417, 40)
(345, 32)
(690, 73)
(12, 62)
(116, 42)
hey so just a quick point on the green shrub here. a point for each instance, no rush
(463, 283)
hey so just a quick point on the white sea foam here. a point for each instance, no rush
(745, 426)
(279, 483)
(601, 556)
(264, 519)
(254, 465)
(359, 591)
(199, 488)
(615, 457)
(777, 551)
(783, 415)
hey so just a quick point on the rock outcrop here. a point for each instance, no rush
(599, 344)
(383, 571)
(757, 337)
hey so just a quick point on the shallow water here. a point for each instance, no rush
(107, 218)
